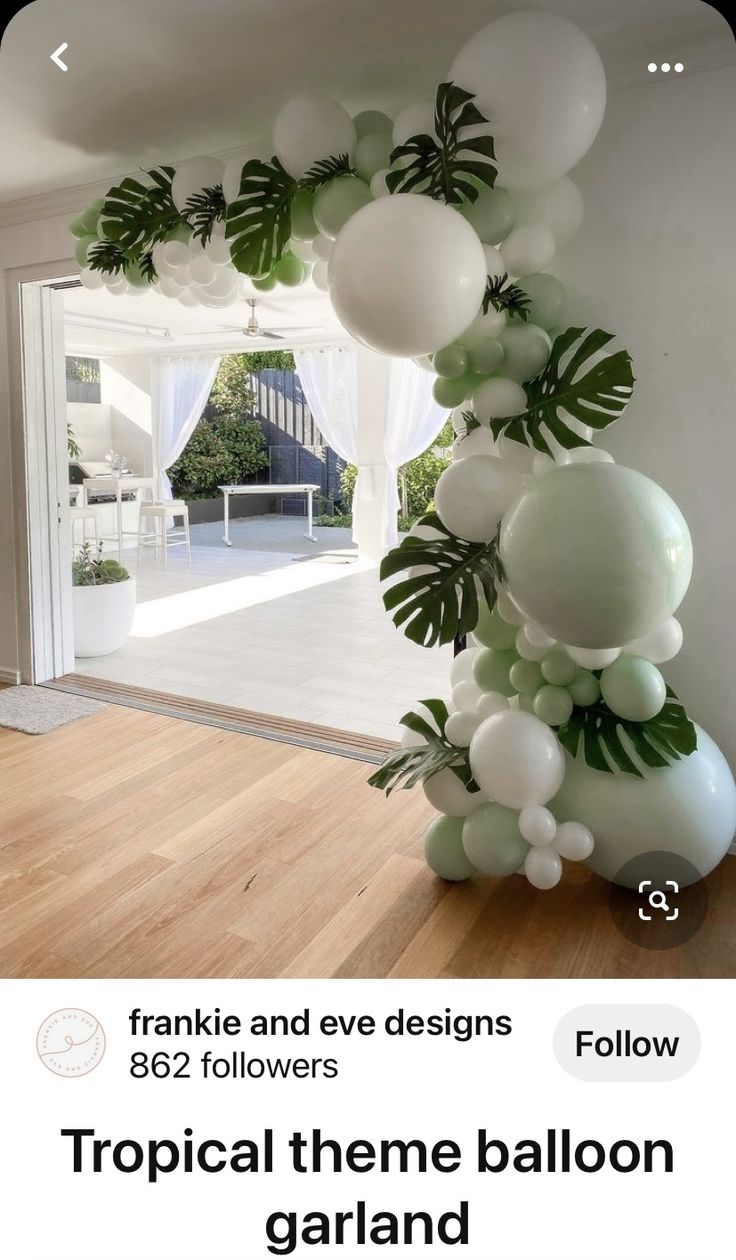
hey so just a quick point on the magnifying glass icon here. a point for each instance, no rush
(658, 901)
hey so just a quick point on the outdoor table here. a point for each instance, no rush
(300, 488)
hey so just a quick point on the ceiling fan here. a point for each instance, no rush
(253, 326)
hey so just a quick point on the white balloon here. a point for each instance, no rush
(527, 249)
(226, 284)
(574, 841)
(91, 279)
(445, 792)
(537, 825)
(192, 177)
(218, 251)
(527, 650)
(589, 455)
(559, 206)
(187, 298)
(495, 264)
(507, 609)
(319, 276)
(175, 253)
(478, 442)
(231, 180)
(461, 669)
(497, 398)
(540, 81)
(322, 246)
(378, 184)
(542, 464)
(169, 287)
(201, 269)
(303, 250)
(308, 128)
(473, 494)
(659, 645)
(543, 868)
(491, 702)
(483, 328)
(414, 120)
(516, 759)
(526, 349)
(593, 658)
(461, 727)
(407, 275)
(466, 694)
(537, 636)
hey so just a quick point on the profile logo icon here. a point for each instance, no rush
(70, 1042)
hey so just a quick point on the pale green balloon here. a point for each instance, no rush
(553, 705)
(491, 214)
(526, 677)
(303, 226)
(91, 216)
(78, 228)
(81, 248)
(290, 270)
(182, 232)
(372, 154)
(443, 849)
(451, 393)
(633, 688)
(371, 121)
(451, 361)
(264, 284)
(526, 349)
(688, 808)
(485, 357)
(547, 297)
(135, 276)
(584, 688)
(558, 668)
(338, 201)
(491, 670)
(596, 554)
(492, 631)
(492, 840)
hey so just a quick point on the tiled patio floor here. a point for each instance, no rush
(278, 631)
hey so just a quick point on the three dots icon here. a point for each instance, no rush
(665, 67)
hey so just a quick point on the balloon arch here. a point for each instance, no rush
(433, 234)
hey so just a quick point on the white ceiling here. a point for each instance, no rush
(162, 80)
(304, 316)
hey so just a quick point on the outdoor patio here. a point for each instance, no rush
(275, 624)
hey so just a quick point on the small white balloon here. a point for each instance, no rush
(526, 349)
(461, 669)
(574, 841)
(303, 250)
(445, 793)
(507, 610)
(528, 249)
(322, 246)
(491, 702)
(187, 298)
(91, 279)
(473, 494)
(201, 269)
(527, 650)
(175, 253)
(559, 206)
(593, 658)
(537, 825)
(543, 868)
(218, 251)
(226, 284)
(589, 455)
(660, 645)
(478, 442)
(498, 398)
(483, 328)
(461, 727)
(414, 120)
(537, 636)
(192, 177)
(319, 276)
(308, 128)
(516, 759)
(495, 263)
(465, 695)
(169, 287)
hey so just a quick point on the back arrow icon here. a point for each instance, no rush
(56, 57)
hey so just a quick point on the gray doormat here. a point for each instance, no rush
(38, 710)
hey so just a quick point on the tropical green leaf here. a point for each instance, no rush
(611, 743)
(203, 210)
(139, 214)
(436, 606)
(449, 167)
(259, 221)
(567, 387)
(107, 256)
(471, 422)
(502, 295)
(408, 766)
(325, 170)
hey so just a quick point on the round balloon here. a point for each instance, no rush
(688, 809)
(473, 494)
(491, 214)
(528, 248)
(559, 206)
(337, 201)
(492, 840)
(526, 349)
(498, 398)
(540, 80)
(414, 120)
(407, 275)
(308, 128)
(445, 792)
(516, 759)
(371, 121)
(372, 154)
(547, 297)
(633, 688)
(444, 852)
(612, 581)
(192, 177)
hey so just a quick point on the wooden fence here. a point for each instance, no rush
(297, 450)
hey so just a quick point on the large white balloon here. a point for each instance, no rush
(192, 177)
(446, 793)
(559, 206)
(473, 494)
(407, 275)
(540, 81)
(308, 128)
(414, 120)
(498, 398)
(516, 759)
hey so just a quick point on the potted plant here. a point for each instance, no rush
(103, 595)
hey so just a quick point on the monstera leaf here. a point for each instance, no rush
(325, 170)
(203, 210)
(663, 739)
(259, 221)
(446, 168)
(137, 216)
(502, 295)
(595, 395)
(408, 766)
(441, 601)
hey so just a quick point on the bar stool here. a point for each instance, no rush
(84, 514)
(155, 516)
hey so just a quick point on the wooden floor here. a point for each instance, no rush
(138, 845)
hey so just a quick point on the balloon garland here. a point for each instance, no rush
(433, 234)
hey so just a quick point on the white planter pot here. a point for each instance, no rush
(103, 616)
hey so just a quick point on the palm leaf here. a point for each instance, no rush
(595, 396)
(203, 210)
(325, 170)
(408, 766)
(141, 214)
(657, 743)
(502, 295)
(259, 221)
(437, 606)
(107, 256)
(446, 168)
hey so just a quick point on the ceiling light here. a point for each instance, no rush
(117, 325)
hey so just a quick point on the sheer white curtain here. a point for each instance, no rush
(413, 420)
(183, 387)
(329, 378)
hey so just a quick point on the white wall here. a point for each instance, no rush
(125, 385)
(92, 428)
(655, 262)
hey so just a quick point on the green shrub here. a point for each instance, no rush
(223, 450)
